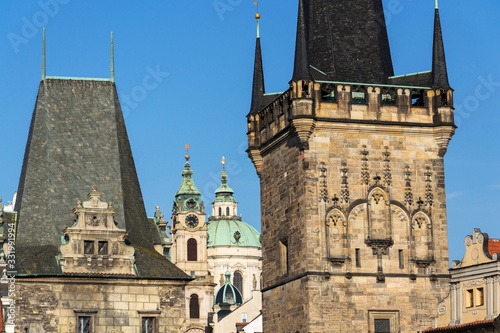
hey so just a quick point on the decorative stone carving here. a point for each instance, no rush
(94, 244)
(365, 173)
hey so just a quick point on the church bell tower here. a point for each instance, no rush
(351, 167)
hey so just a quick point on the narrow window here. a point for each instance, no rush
(238, 281)
(102, 248)
(194, 306)
(227, 211)
(469, 298)
(480, 297)
(220, 211)
(401, 259)
(88, 247)
(148, 325)
(192, 250)
(382, 325)
(284, 256)
(84, 324)
(358, 258)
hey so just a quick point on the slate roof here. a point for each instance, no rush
(77, 139)
(347, 40)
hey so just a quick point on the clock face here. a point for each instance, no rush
(192, 221)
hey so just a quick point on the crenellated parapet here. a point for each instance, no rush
(307, 103)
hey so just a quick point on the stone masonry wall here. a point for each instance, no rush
(116, 305)
(363, 216)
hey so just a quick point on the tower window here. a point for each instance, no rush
(227, 211)
(84, 324)
(238, 281)
(192, 250)
(194, 306)
(284, 256)
(382, 325)
(401, 259)
(149, 325)
(88, 247)
(220, 211)
(358, 258)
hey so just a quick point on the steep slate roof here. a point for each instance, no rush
(77, 139)
(347, 40)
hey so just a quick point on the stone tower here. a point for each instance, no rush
(189, 249)
(350, 160)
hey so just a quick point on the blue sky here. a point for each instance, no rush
(184, 71)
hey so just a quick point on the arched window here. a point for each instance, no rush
(194, 306)
(192, 249)
(227, 211)
(220, 211)
(238, 281)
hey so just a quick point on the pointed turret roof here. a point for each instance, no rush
(346, 40)
(301, 70)
(439, 70)
(258, 88)
(78, 139)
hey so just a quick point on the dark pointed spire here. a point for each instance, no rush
(301, 66)
(347, 40)
(258, 89)
(439, 70)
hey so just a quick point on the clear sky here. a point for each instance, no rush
(184, 72)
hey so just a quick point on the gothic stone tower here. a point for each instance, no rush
(350, 160)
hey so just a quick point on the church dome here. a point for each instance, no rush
(225, 227)
(232, 233)
(228, 294)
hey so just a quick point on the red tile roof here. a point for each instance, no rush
(461, 327)
(494, 246)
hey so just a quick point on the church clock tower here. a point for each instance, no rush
(189, 226)
(189, 249)
(351, 167)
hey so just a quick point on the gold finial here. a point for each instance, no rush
(223, 161)
(187, 147)
(257, 15)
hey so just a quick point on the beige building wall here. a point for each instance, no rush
(475, 285)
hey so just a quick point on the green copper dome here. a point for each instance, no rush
(228, 294)
(232, 233)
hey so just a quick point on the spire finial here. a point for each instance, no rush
(437, 4)
(112, 58)
(43, 55)
(187, 147)
(224, 175)
(257, 17)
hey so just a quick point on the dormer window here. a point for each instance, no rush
(88, 247)
(94, 244)
(102, 248)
